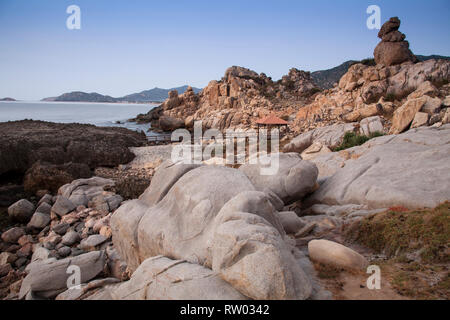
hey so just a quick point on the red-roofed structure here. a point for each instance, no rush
(272, 120)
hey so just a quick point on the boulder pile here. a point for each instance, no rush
(236, 101)
(393, 49)
(70, 228)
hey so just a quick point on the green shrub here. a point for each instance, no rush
(352, 139)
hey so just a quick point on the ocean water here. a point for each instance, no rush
(99, 114)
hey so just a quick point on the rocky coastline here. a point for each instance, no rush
(363, 179)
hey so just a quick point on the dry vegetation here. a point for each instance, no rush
(416, 244)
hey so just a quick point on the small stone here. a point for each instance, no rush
(5, 269)
(39, 220)
(12, 235)
(70, 238)
(40, 253)
(106, 232)
(420, 119)
(90, 243)
(64, 251)
(432, 106)
(70, 218)
(79, 227)
(20, 262)
(44, 208)
(46, 199)
(13, 248)
(21, 211)
(51, 241)
(63, 206)
(76, 251)
(7, 257)
(23, 240)
(25, 251)
(61, 228)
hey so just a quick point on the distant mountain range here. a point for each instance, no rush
(152, 95)
(325, 79)
(7, 99)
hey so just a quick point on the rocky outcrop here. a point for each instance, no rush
(23, 143)
(239, 99)
(70, 229)
(235, 232)
(367, 91)
(396, 170)
(393, 49)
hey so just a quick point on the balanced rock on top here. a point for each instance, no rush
(393, 49)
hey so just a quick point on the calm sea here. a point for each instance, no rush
(99, 114)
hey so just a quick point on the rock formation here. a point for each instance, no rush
(235, 232)
(393, 49)
(61, 153)
(239, 99)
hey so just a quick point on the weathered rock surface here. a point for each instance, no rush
(49, 278)
(39, 220)
(389, 171)
(204, 221)
(160, 278)
(335, 254)
(63, 206)
(238, 100)
(294, 179)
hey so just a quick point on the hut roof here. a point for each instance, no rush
(272, 120)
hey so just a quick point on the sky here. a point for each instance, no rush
(129, 46)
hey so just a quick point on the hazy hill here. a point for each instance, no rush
(155, 94)
(152, 95)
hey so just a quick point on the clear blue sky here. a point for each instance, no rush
(130, 46)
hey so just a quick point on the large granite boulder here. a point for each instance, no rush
(410, 170)
(212, 216)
